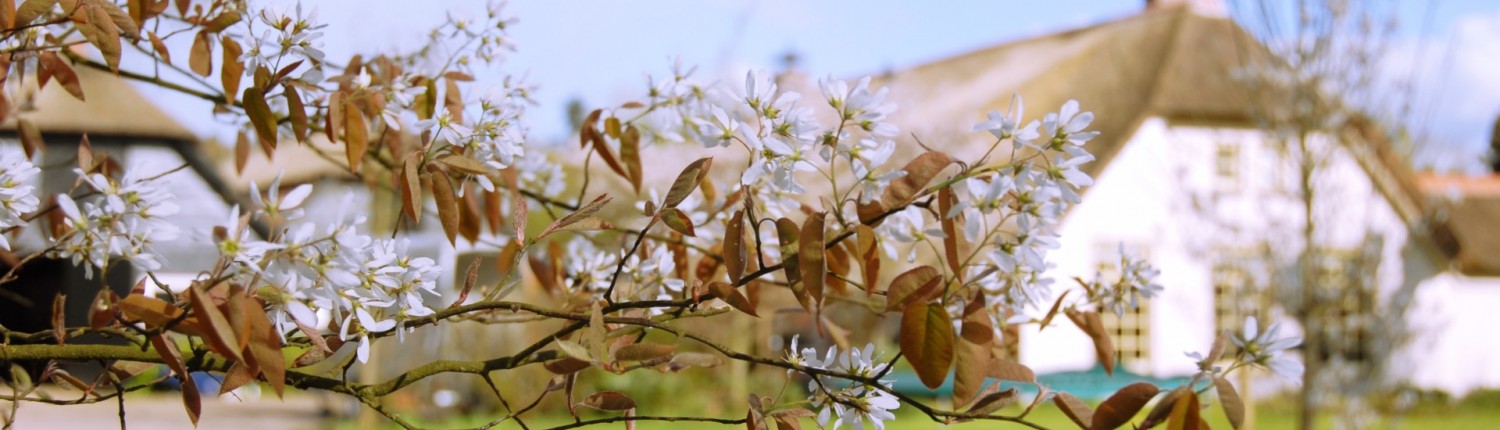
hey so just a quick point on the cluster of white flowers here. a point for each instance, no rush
(839, 403)
(785, 142)
(652, 278)
(291, 36)
(121, 218)
(335, 268)
(16, 198)
(1137, 281)
(1032, 191)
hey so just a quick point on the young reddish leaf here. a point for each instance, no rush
(1229, 399)
(150, 310)
(100, 30)
(218, 333)
(869, 258)
(233, 68)
(30, 10)
(492, 215)
(1007, 370)
(261, 118)
(951, 242)
(238, 375)
(200, 58)
(102, 310)
(296, 112)
(59, 318)
(591, 135)
(1163, 407)
(566, 365)
(838, 266)
(1075, 409)
(585, 212)
(31, 137)
(447, 204)
(453, 100)
(917, 285)
(411, 187)
(222, 21)
(173, 358)
(678, 221)
(734, 246)
(265, 344)
(927, 341)
(810, 257)
(732, 296)
(919, 172)
(62, 72)
(159, 48)
(241, 151)
(356, 137)
(994, 401)
(976, 327)
(643, 351)
(686, 181)
(788, 232)
(1093, 325)
(1184, 413)
(464, 164)
(971, 360)
(333, 120)
(1053, 312)
(1119, 408)
(608, 401)
(630, 154)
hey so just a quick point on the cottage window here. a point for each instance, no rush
(1227, 166)
(1131, 330)
(1345, 302)
(1234, 292)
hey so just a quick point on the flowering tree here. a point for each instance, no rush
(817, 208)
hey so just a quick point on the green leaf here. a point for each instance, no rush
(927, 342)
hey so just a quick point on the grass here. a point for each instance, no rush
(1479, 411)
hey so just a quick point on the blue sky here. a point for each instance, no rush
(600, 50)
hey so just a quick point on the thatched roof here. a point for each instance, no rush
(298, 163)
(1470, 206)
(113, 109)
(1169, 62)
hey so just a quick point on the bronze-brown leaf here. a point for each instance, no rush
(927, 342)
(1119, 408)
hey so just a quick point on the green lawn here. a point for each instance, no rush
(1478, 413)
